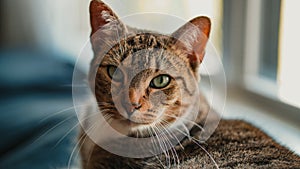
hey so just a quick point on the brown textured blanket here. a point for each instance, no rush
(237, 144)
(234, 144)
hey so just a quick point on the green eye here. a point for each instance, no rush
(160, 81)
(114, 74)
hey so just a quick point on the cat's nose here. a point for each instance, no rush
(131, 107)
(136, 106)
(135, 97)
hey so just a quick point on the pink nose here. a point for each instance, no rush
(135, 96)
(134, 101)
(131, 107)
(136, 105)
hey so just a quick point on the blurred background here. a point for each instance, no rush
(257, 41)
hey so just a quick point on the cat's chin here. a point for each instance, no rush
(138, 125)
(132, 128)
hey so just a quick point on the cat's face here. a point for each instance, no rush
(143, 86)
(144, 79)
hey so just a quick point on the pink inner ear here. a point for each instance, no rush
(203, 24)
(96, 19)
(199, 48)
(195, 39)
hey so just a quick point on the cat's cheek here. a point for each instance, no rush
(123, 127)
(146, 105)
(120, 110)
(116, 88)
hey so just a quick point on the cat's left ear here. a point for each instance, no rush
(100, 15)
(192, 37)
(107, 29)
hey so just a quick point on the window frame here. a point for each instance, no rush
(254, 51)
(241, 54)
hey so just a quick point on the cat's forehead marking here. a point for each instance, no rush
(144, 50)
(143, 41)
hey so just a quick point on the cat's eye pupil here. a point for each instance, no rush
(160, 81)
(114, 73)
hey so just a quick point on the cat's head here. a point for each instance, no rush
(140, 78)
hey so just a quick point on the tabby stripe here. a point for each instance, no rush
(185, 86)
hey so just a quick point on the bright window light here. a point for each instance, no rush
(289, 57)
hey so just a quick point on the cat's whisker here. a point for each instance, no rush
(56, 113)
(213, 160)
(60, 123)
(189, 137)
(171, 150)
(186, 129)
(166, 122)
(160, 162)
(74, 149)
(187, 120)
(65, 135)
(168, 156)
(184, 134)
(52, 128)
(63, 110)
(68, 132)
(90, 152)
(187, 134)
(108, 118)
(56, 125)
(155, 146)
(174, 136)
(160, 144)
(174, 153)
(165, 139)
(152, 134)
(82, 138)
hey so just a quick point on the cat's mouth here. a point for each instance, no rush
(131, 128)
(138, 117)
(135, 122)
(142, 118)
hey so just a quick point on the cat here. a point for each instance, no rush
(142, 79)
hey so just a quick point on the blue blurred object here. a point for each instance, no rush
(38, 124)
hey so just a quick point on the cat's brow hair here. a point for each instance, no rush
(141, 41)
(144, 41)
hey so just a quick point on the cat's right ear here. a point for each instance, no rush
(107, 29)
(101, 15)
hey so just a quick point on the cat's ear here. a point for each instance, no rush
(193, 37)
(106, 26)
(100, 15)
